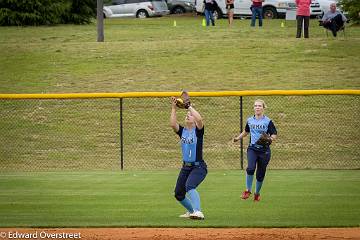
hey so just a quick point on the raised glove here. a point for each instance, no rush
(180, 103)
(183, 101)
(264, 140)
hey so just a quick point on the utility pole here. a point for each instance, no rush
(100, 20)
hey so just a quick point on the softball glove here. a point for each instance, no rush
(264, 140)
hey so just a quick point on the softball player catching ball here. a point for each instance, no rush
(194, 169)
(262, 132)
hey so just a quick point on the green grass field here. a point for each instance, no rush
(145, 198)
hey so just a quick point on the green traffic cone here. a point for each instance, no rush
(203, 22)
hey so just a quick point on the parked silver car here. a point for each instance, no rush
(135, 8)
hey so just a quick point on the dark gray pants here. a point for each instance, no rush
(300, 20)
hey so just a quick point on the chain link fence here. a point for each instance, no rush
(314, 132)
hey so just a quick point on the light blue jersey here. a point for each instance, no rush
(258, 126)
(191, 143)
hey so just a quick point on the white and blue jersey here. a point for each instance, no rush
(258, 126)
(191, 144)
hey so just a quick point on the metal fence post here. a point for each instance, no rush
(241, 129)
(121, 136)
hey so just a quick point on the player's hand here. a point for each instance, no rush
(236, 138)
(173, 102)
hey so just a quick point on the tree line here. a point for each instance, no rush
(46, 12)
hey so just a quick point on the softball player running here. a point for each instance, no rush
(262, 132)
(194, 169)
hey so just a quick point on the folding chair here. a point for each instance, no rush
(328, 30)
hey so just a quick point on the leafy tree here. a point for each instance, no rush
(82, 11)
(46, 12)
(352, 8)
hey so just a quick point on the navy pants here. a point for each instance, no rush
(189, 178)
(258, 159)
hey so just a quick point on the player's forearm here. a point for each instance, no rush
(241, 135)
(173, 120)
(197, 117)
(195, 114)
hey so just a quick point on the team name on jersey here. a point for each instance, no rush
(187, 140)
(258, 126)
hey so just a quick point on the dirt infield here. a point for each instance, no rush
(182, 233)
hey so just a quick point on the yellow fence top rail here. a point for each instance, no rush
(169, 94)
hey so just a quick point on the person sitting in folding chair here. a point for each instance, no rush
(333, 20)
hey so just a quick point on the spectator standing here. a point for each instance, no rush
(256, 10)
(230, 11)
(210, 6)
(303, 17)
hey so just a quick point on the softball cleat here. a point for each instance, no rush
(197, 215)
(246, 194)
(185, 215)
(256, 197)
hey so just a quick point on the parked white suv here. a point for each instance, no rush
(315, 9)
(271, 8)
